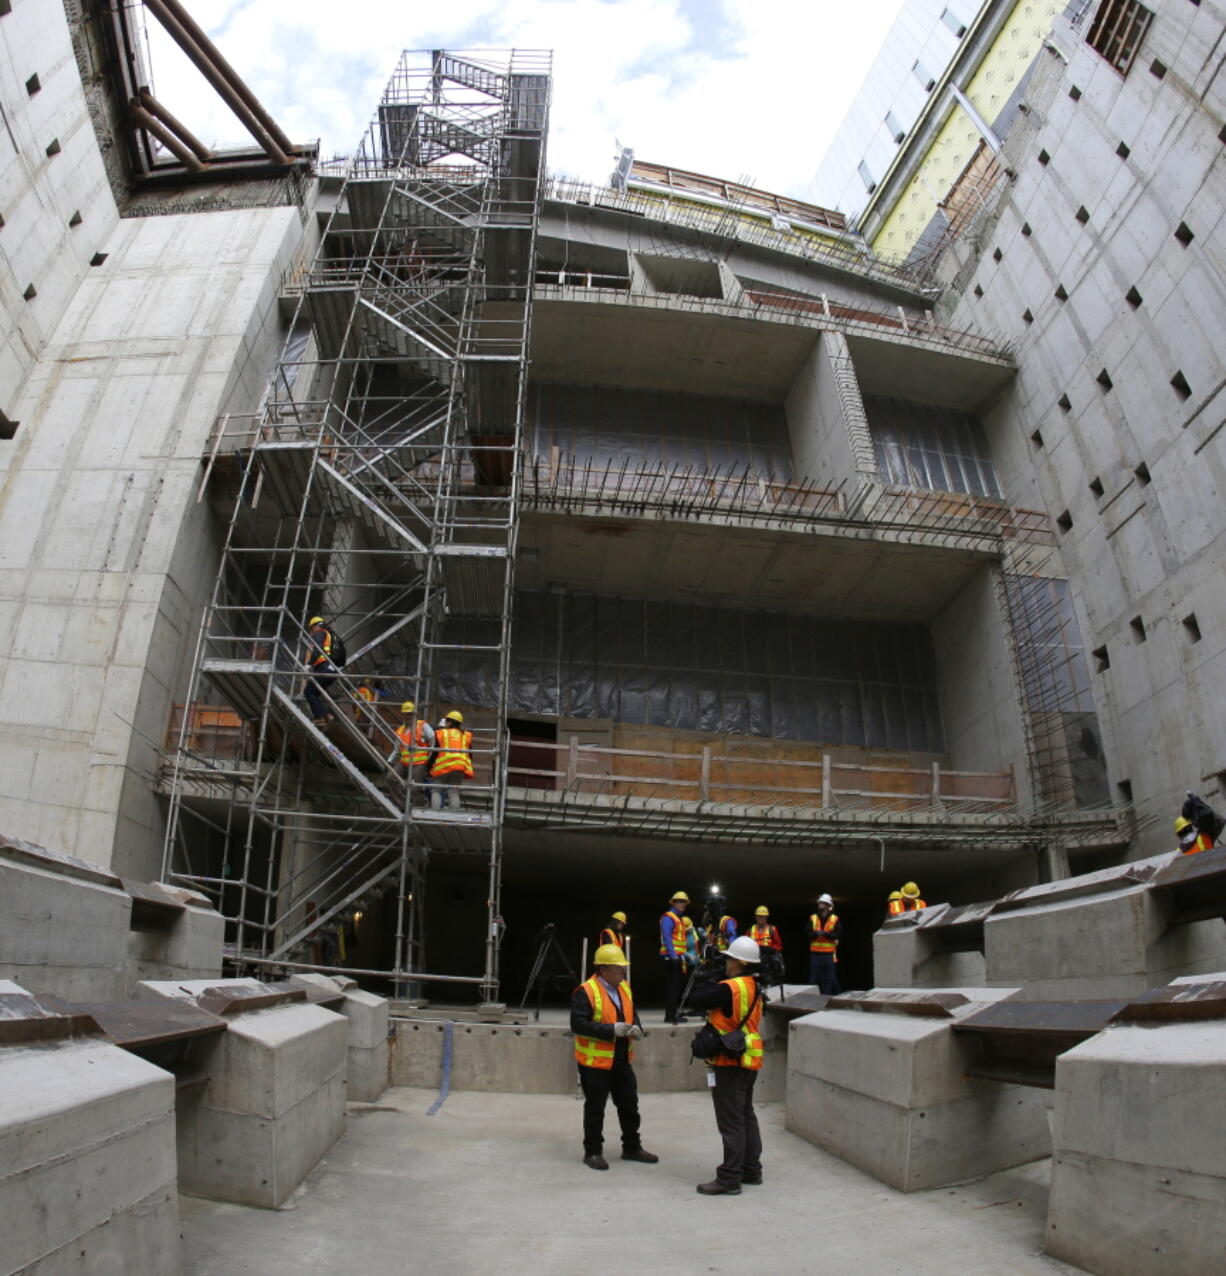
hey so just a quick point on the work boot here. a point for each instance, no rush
(746, 1181)
(716, 1188)
(594, 1161)
(640, 1154)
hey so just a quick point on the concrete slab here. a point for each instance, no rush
(499, 1179)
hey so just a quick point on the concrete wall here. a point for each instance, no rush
(104, 557)
(1146, 549)
(983, 727)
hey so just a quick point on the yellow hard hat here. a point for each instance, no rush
(408, 707)
(609, 955)
(896, 894)
(315, 620)
(678, 895)
(761, 911)
(1181, 824)
(910, 890)
(619, 917)
(454, 716)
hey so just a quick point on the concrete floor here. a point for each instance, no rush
(495, 1182)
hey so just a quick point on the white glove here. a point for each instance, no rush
(635, 1032)
(621, 1029)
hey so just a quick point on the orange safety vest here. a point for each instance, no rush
(819, 945)
(681, 934)
(912, 905)
(416, 734)
(764, 936)
(744, 991)
(610, 936)
(320, 650)
(894, 908)
(1203, 843)
(453, 745)
(591, 1052)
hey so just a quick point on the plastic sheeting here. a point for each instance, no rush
(652, 428)
(938, 449)
(708, 669)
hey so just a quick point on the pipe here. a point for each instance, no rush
(176, 126)
(165, 136)
(224, 88)
(197, 33)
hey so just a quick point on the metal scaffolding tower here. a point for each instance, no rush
(379, 487)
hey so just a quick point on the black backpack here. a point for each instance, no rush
(338, 656)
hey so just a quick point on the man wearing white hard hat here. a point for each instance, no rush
(825, 931)
(606, 1026)
(734, 1006)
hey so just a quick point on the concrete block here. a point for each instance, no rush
(88, 1157)
(190, 949)
(888, 1093)
(63, 934)
(274, 1102)
(367, 1016)
(1138, 1182)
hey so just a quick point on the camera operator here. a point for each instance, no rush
(735, 1002)
(767, 937)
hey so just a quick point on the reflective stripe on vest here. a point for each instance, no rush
(817, 944)
(453, 744)
(763, 936)
(744, 991)
(681, 933)
(591, 1052)
(911, 905)
(416, 734)
(894, 908)
(1203, 843)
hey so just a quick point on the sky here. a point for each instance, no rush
(747, 90)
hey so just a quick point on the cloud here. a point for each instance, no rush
(737, 88)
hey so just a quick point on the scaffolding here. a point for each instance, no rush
(379, 487)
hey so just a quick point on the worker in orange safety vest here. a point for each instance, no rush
(1191, 840)
(411, 756)
(825, 931)
(606, 1026)
(453, 761)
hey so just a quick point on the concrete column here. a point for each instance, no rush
(831, 443)
(1055, 861)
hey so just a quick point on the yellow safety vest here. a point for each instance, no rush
(591, 1052)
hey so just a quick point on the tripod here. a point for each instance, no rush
(550, 964)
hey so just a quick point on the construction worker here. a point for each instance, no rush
(762, 932)
(825, 931)
(318, 659)
(411, 756)
(1191, 840)
(911, 901)
(725, 932)
(615, 932)
(894, 906)
(605, 1024)
(735, 1002)
(453, 760)
(675, 929)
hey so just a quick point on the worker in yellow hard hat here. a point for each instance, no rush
(615, 932)
(318, 658)
(911, 901)
(606, 1026)
(411, 756)
(675, 928)
(453, 760)
(1191, 840)
(894, 904)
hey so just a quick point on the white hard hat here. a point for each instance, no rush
(825, 899)
(744, 949)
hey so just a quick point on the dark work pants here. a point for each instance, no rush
(598, 1084)
(738, 1124)
(673, 983)
(824, 972)
(320, 682)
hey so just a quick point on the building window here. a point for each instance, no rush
(931, 448)
(953, 22)
(897, 132)
(924, 76)
(866, 176)
(1116, 33)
